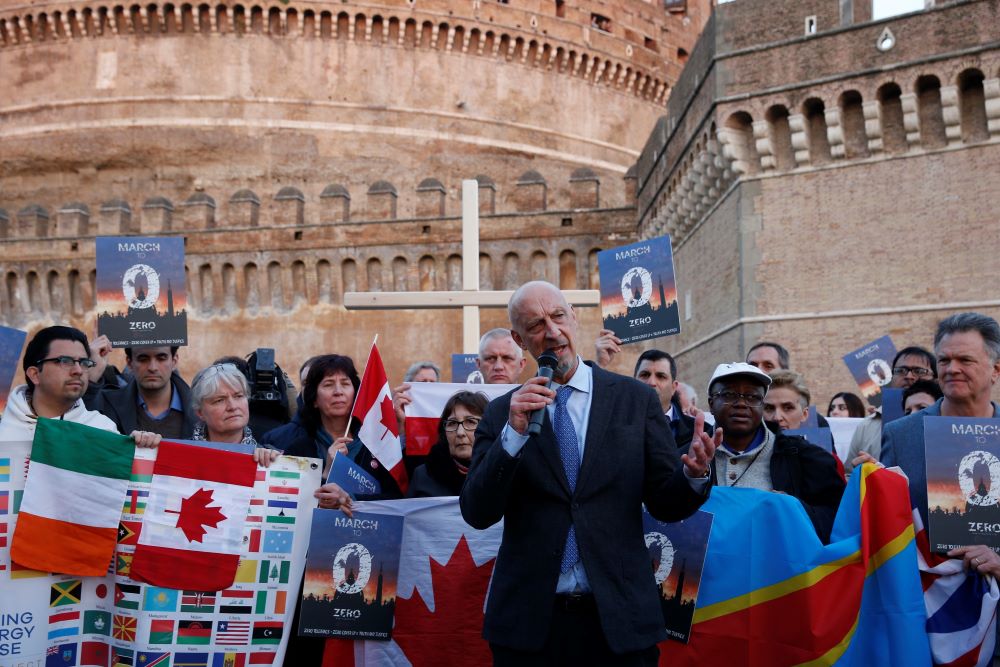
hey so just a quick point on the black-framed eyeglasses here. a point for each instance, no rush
(917, 371)
(67, 361)
(733, 397)
(469, 424)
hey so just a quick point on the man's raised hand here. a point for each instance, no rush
(699, 457)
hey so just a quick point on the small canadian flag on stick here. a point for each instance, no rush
(379, 429)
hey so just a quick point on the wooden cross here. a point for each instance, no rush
(470, 298)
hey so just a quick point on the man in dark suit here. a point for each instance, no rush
(156, 398)
(658, 369)
(573, 581)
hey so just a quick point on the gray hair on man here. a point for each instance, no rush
(985, 325)
(499, 332)
(418, 366)
(207, 382)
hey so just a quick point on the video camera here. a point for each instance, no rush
(267, 382)
(268, 392)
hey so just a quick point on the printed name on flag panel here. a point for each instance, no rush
(192, 530)
(76, 489)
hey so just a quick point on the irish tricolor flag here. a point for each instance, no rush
(72, 499)
(192, 530)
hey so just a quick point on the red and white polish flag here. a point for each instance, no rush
(424, 412)
(192, 531)
(379, 429)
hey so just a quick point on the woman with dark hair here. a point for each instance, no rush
(846, 404)
(443, 474)
(324, 426)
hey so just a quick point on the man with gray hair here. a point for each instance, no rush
(423, 371)
(500, 360)
(967, 347)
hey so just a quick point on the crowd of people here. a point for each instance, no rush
(570, 493)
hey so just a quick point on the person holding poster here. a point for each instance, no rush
(967, 347)
(910, 364)
(55, 368)
(572, 581)
(155, 398)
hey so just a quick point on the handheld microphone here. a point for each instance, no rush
(547, 363)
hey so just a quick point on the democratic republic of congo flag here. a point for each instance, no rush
(73, 498)
(772, 594)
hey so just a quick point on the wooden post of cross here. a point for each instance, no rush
(470, 298)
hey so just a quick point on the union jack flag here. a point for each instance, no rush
(961, 607)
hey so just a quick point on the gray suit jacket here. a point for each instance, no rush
(629, 459)
(903, 446)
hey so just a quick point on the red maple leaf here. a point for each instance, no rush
(196, 513)
(452, 633)
(389, 417)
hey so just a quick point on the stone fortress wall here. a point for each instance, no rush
(305, 149)
(824, 188)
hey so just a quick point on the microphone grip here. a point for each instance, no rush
(538, 416)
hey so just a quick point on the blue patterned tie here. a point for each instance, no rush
(569, 451)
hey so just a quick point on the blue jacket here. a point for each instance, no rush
(903, 446)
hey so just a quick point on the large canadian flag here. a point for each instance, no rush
(424, 412)
(192, 530)
(379, 429)
(444, 572)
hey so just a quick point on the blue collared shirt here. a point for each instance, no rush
(578, 407)
(754, 444)
(175, 404)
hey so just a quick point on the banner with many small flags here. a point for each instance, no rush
(115, 620)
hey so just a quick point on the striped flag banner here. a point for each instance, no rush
(192, 531)
(232, 633)
(65, 624)
(424, 413)
(142, 467)
(235, 602)
(961, 606)
(5, 470)
(135, 502)
(197, 602)
(75, 488)
(229, 659)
